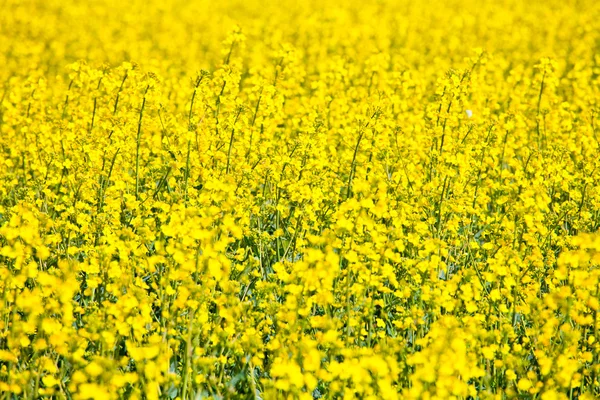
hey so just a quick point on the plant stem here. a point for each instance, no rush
(137, 149)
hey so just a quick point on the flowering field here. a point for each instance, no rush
(299, 199)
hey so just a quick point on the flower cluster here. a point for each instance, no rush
(232, 199)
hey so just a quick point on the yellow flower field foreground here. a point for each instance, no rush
(299, 199)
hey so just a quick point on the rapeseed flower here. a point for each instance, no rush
(295, 200)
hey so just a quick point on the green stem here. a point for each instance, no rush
(137, 149)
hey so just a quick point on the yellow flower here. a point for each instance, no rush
(524, 384)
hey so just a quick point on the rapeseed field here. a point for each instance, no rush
(299, 199)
